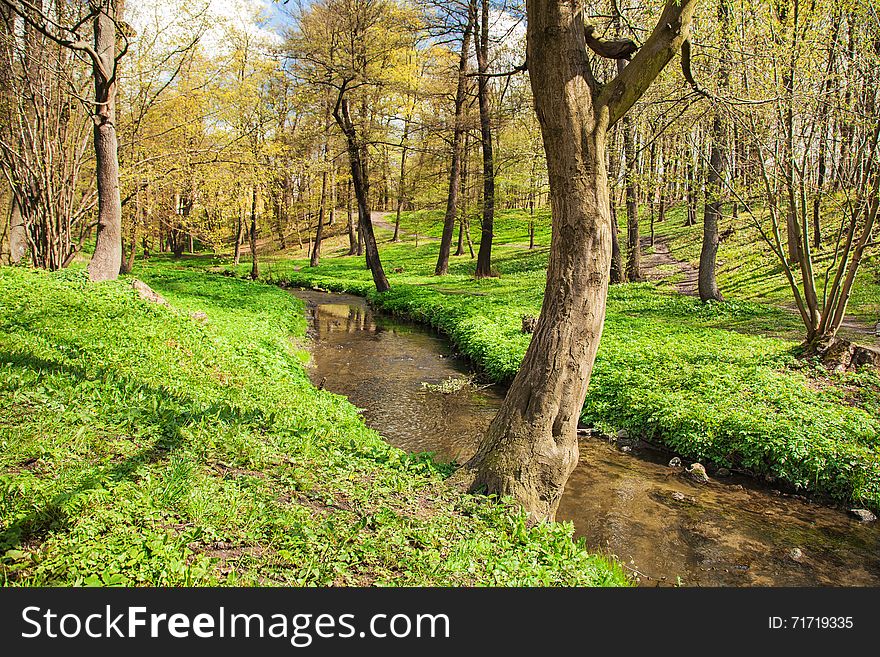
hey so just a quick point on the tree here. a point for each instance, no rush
(455, 166)
(481, 46)
(784, 131)
(105, 16)
(352, 47)
(707, 282)
(531, 448)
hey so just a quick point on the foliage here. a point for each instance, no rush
(709, 381)
(141, 446)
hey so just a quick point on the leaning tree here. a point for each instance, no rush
(531, 448)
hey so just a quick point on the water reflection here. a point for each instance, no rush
(663, 526)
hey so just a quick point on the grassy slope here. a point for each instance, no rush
(748, 270)
(709, 381)
(140, 446)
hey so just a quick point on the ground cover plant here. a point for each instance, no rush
(142, 445)
(719, 381)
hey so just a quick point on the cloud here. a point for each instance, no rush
(251, 16)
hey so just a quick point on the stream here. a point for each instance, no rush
(623, 499)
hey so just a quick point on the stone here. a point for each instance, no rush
(697, 472)
(675, 462)
(147, 293)
(678, 497)
(795, 554)
(863, 515)
(722, 472)
(626, 449)
(623, 434)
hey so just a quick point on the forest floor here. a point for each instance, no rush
(721, 382)
(147, 444)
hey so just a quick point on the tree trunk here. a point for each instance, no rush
(691, 195)
(484, 255)
(616, 273)
(361, 181)
(633, 247)
(352, 232)
(401, 181)
(455, 167)
(255, 268)
(462, 221)
(315, 260)
(18, 245)
(107, 258)
(239, 235)
(707, 283)
(531, 446)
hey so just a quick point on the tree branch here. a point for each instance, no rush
(610, 49)
(627, 87)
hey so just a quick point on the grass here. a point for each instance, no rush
(141, 446)
(718, 382)
(748, 270)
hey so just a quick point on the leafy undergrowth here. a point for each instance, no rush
(747, 268)
(709, 381)
(139, 445)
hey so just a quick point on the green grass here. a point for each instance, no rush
(719, 382)
(139, 446)
(748, 270)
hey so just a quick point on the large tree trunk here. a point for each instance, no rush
(455, 167)
(484, 255)
(107, 258)
(531, 447)
(707, 283)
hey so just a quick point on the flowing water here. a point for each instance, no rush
(622, 498)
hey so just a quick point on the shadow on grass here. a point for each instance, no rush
(158, 407)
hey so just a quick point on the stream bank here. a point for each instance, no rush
(665, 527)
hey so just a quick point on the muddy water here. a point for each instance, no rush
(623, 498)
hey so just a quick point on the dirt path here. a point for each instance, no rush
(380, 219)
(661, 257)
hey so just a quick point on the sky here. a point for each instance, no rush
(256, 16)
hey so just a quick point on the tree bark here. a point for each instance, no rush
(239, 235)
(252, 235)
(455, 167)
(484, 255)
(352, 232)
(707, 284)
(315, 259)
(107, 258)
(361, 182)
(531, 447)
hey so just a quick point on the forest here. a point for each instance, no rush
(420, 293)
